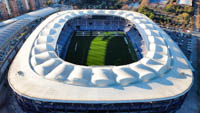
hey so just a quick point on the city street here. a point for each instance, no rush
(192, 102)
(196, 14)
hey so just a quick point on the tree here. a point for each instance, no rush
(169, 8)
(188, 9)
(141, 9)
(118, 5)
(185, 16)
(147, 11)
(151, 16)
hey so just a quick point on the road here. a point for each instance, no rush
(196, 12)
(192, 101)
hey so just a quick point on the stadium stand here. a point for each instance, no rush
(64, 40)
(94, 26)
(137, 42)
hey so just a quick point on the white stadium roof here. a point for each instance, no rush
(38, 73)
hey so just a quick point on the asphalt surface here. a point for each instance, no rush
(196, 11)
(192, 101)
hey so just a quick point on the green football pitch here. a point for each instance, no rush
(106, 48)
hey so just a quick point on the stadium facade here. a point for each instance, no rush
(44, 82)
(13, 33)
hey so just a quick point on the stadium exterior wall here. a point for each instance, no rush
(165, 106)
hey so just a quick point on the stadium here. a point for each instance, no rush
(100, 61)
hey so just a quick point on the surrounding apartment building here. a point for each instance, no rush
(21, 7)
(6, 2)
(26, 5)
(3, 11)
(32, 4)
(36, 4)
(12, 8)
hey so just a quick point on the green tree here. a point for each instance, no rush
(147, 11)
(141, 9)
(189, 9)
(185, 16)
(117, 5)
(169, 8)
(151, 16)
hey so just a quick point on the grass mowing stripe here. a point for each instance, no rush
(97, 51)
(109, 48)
